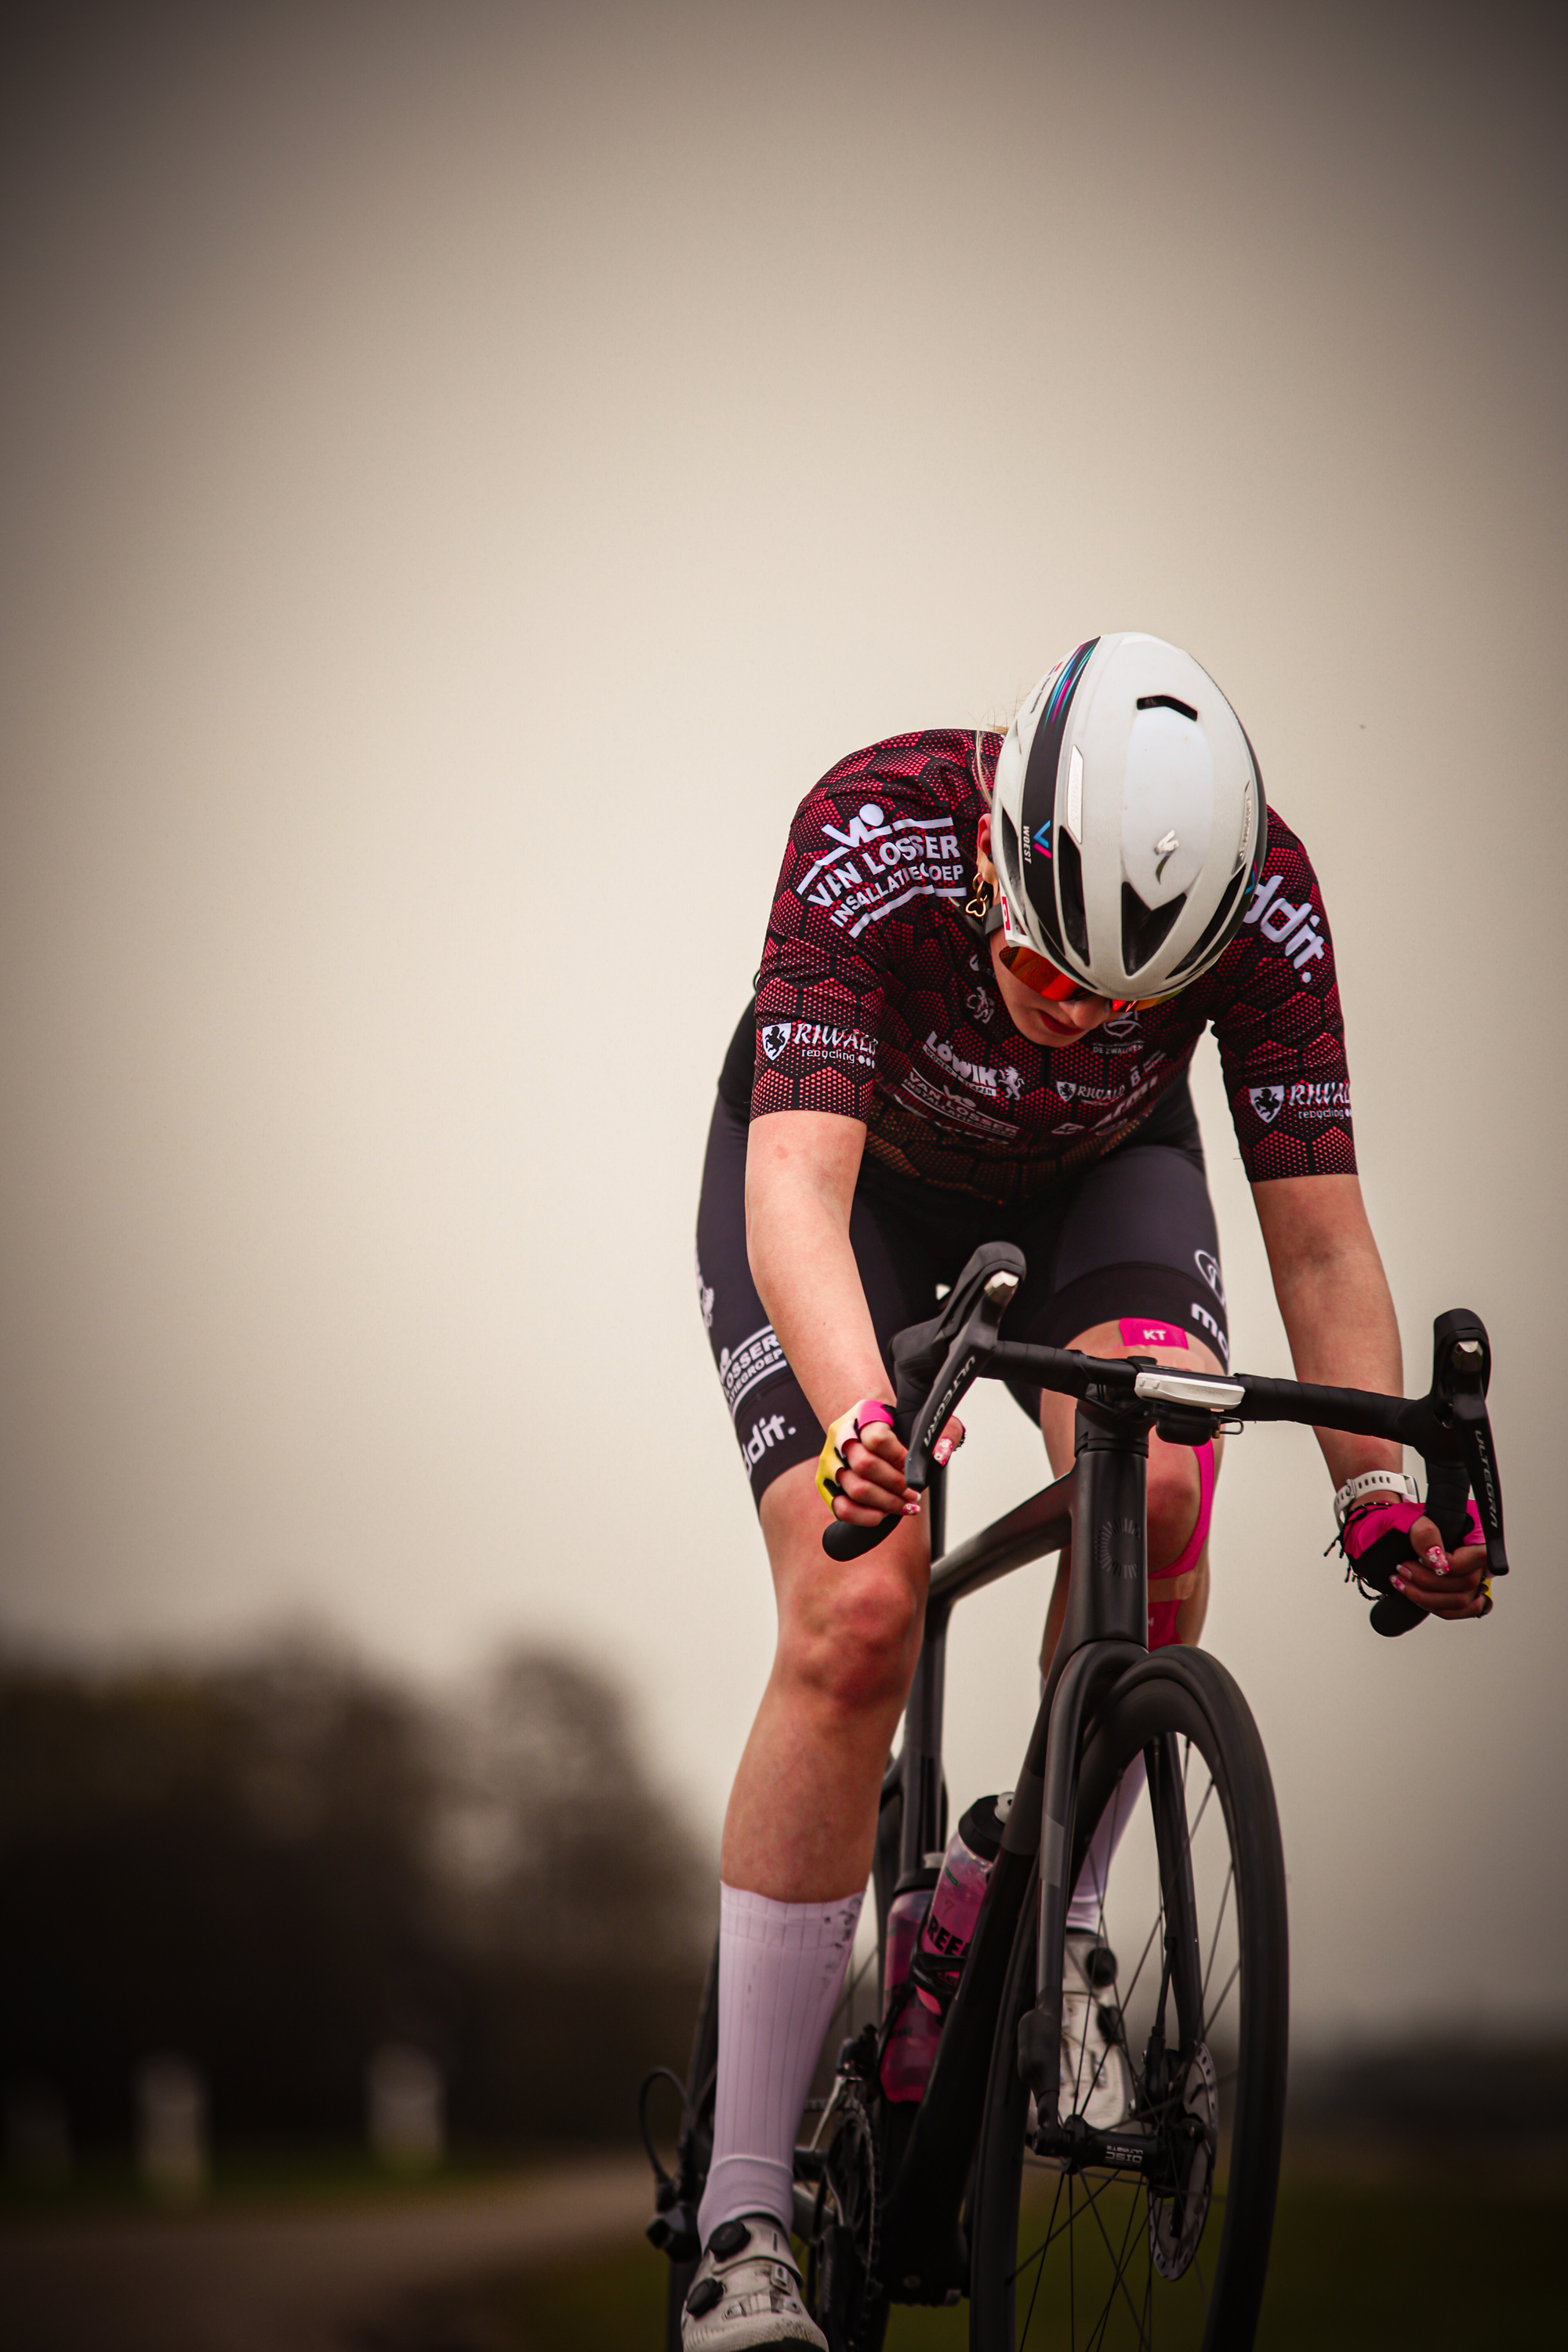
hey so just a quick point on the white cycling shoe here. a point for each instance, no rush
(747, 2291)
(1095, 2080)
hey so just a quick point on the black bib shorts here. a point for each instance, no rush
(1132, 1235)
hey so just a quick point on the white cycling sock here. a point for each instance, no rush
(1083, 1909)
(780, 1968)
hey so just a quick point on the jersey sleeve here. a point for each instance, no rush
(1280, 1032)
(867, 853)
(820, 992)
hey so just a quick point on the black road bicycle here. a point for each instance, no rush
(1059, 2233)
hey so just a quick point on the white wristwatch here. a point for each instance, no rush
(1392, 1483)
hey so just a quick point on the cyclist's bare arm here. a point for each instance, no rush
(801, 1167)
(1339, 1318)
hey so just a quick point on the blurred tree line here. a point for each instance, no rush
(276, 1867)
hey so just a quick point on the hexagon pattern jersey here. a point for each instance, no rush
(875, 1001)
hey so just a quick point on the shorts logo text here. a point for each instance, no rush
(764, 1434)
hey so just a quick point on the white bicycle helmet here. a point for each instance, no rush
(1128, 823)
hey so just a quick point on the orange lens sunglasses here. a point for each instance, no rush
(1040, 977)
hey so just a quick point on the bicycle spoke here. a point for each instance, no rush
(1133, 2216)
(1040, 2261)
(1084, 2197)
(1197, 1817)
(1133, 1984)
(1118, 2279)
(1090, 2197)
(1219, 2004)
(1219, 1922)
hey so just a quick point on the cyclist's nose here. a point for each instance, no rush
(1087, 1014)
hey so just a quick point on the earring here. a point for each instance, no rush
(981, 894)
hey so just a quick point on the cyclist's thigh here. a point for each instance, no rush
(1133, 1240)
(774, 1427)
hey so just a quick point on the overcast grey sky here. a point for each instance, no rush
(468, 470)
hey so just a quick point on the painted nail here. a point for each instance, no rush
(1397, 1582)
(911, 1510)
(942, 1451)
(1438, 1560)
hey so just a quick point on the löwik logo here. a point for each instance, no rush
(1267, 1102)
(775, 1037)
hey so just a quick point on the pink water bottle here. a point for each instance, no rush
(912, 2042)
(955, 1906)
(928, 1936)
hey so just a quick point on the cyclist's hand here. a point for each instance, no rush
(1450, 1584)
(861, 1473)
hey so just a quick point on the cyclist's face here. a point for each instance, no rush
(1046, 1021)
(1047, 1024)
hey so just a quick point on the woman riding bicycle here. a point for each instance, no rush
(989, 962)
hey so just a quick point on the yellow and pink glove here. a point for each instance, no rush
(853, 1423)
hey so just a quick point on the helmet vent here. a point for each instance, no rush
(1166, 702)
(1217, 930)
(1145, 930)
(1069, 890)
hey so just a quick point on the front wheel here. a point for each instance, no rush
(1165, 2238)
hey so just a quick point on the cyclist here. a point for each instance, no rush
(989, 962)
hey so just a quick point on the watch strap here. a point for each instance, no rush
(1397, 1483)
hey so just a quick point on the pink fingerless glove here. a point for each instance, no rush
(1375, 1520)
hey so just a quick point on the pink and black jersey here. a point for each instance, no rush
(876, 1001)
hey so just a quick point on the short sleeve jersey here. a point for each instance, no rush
(876, 1001)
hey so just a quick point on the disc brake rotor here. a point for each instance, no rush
(1176, 2216)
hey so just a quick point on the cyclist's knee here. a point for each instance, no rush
(848, 1630)
(850, 1635)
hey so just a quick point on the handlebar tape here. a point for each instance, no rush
(841, 1539)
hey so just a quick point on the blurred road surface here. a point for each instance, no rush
(292, 2282)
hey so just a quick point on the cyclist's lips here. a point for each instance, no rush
(1060, 1032)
